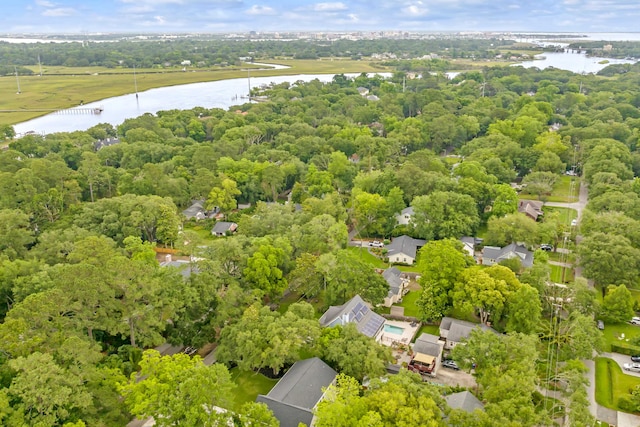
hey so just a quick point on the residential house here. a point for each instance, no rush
(405, 216)
(354, 311)
(185, 266)
(464, 400)
(404, 249)
(454, 330)
(294, 398)
(196, 211)
(397, 284)
(223, 227)
(427, 351)
(469, 245)
(494, 254)
(531, 208)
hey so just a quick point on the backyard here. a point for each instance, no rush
(611, 383)
(249, 385)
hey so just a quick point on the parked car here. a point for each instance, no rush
(376, 244)
(635, 321)
(546, 247)
(601, 325)
(574, 222)
(450, 364)
(635, 359)
(633, 367)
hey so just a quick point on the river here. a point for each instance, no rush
(219, 94)
(578, 63)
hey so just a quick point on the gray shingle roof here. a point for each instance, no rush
(293, 398)
(427, 344)
(222, 227)
(393, 277)
(354, 311)
(457, 330)
(193, 210)
(185, 267)
(464, 400)
(405, 245)
(510, 251)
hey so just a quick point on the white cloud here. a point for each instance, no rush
(58, 12)
(159, 19)
(329, 7)
(261, 10)
(153, 2)
(416, 9)
(45, 3)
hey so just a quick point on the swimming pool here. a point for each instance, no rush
(393, 329)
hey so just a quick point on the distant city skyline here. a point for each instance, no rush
(171, 16)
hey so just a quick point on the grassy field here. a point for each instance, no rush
(611, 382)
(563, 190)
(368, 257)
(62, 87)
(556, 274)
(613, 332)
(409, 303)
(566, 214)
(249, 386)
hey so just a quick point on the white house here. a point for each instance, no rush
(404, 249)
(405, 216)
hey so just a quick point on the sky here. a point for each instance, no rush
(179, 16)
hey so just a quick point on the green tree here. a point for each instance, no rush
(178, 390)
(15, 233)
(540, 183)
(617, 306)
(440, 264)
(609, 259)
(224, 196)
(515, 227)
(352, 353)
(477, 291)
(505, 200)
(264, 271)
(444, 214)
(46, 393)
(262, 338)
(524, 310)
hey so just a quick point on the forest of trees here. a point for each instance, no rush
(206, 53)
(82, 293)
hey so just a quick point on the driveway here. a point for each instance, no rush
(621, 359)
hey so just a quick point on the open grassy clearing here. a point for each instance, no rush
(69, 90)
(564, 191)
(612, 383)
(613, 332)
(249, 386)
(566, 214)
(557, 274)
(409, 303)
(368, 257)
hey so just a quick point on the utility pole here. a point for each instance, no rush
(17, 80)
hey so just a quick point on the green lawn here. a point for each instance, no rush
(613, 331)
(365, 255)
(428, 329)
(556, 274)
(566, 214)
(409, 303)
(563, 191)
(612, 383)
(249, 386)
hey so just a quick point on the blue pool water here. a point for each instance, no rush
(393, 329)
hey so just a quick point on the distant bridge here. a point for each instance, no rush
(86, 110)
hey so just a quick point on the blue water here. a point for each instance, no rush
(393, 329)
